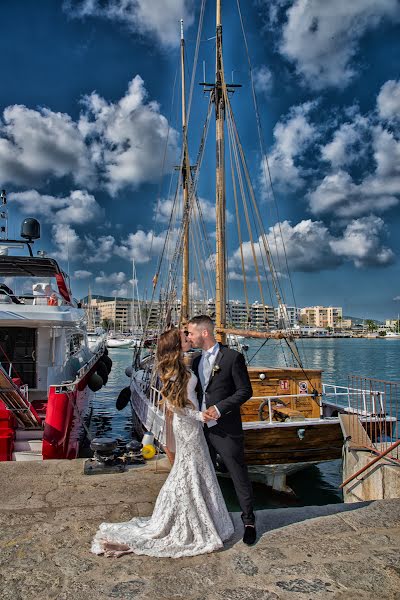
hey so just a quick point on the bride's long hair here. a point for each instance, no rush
(171, 368)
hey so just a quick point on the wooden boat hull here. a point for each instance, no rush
(299, 442)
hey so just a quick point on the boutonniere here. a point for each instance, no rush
(216, 369)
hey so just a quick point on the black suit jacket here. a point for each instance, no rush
(229, 387)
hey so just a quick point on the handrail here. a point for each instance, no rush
(375, 460)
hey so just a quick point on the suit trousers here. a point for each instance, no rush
(231, 450)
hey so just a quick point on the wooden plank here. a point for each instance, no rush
(353, 429)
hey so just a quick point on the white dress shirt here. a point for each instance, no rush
(212, 356)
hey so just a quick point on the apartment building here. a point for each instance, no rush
(322, 316)
(287, 316)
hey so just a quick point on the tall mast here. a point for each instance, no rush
(185, 185)
(220, 201)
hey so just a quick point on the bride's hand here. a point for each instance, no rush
(206, 417)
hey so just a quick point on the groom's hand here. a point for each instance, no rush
(206, 417)
(212, 413)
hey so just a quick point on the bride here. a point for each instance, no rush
(190, 516)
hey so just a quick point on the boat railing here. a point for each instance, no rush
(269, 405)
(372, 401)
(375, 406)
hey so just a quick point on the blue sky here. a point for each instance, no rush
(89, 109)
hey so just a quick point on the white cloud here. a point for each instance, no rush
(292, 136)
(378, 191)
(141, 246)
(79, 207)
(361, 243)
(348, 143)
(306, 246)
(263, 80)
(310, 246)
(122, 291)
(321, 38)
(338, 194)
(110, 278)
(82, 274)
(386, 153)
(388, 100)
(127, 139)
(112, 145)
(68, 245)
(100, 249)
(157, 18)
(37, 144)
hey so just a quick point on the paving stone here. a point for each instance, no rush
(305, 586)
(247, 593)
(244, 564)
(363, 576)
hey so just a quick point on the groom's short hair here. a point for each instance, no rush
(203, 321)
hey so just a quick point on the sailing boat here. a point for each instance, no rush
(287, 424)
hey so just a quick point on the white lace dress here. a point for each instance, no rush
(190, 516)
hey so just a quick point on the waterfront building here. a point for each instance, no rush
(322, 316)
(287, 316)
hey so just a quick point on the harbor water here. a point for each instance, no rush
(337, 357)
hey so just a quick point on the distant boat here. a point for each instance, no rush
(394, 335)
(120, 342)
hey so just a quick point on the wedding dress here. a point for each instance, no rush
(190, 516)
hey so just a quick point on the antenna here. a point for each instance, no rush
(3, 216)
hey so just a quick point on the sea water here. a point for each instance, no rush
(337, 357)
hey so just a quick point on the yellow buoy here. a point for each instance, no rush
(148, 451)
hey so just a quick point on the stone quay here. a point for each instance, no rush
(49, 512)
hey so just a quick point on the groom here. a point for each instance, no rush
(223, 385)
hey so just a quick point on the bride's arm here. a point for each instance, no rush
(190, 413)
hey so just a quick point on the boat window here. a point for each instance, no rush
(75, 343)
(17, 348)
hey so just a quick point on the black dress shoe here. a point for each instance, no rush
(250, 535)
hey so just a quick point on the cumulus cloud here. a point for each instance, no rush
(339, 195)
(348, 143)
(37, 144)
(378, 190)
(127, 138)
(158, 18)
(141, 246)
(293, 135)
(79, 207)
(68, 245)
(361, 243)
(99, 250)
(82, 274)
(263, 80)
(310, 246)
(111, 145)
(322, 40)
(388, 101)
(110, 278)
